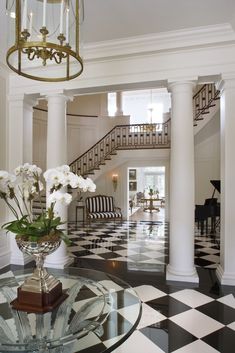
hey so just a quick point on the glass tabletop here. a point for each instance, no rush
(100, 312)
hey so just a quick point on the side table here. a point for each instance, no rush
(80, 207)
(100, 313)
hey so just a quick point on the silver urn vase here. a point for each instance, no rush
(41, 292)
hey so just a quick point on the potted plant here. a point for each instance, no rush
(42, 235)
(18, 190)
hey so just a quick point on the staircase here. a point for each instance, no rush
(203, 100)
(122, 137)
(38, 206)
(140, 136)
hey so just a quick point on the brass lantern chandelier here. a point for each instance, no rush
(46, 39)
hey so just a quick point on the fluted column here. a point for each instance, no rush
(119, 110)
(57, 156)
(226, 269)
(20, 151)
(181, 263)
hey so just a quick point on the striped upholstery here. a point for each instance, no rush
(101, 207)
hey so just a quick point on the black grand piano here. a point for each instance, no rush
(209, 214)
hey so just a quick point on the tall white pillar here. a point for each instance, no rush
(181, 264)
(20, 149)
(57, 156)
(119, 110)
(4, 243)
(226, 269)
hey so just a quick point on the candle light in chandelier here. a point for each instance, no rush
(30, 23)
(61, 16)
(67, 25)
(25, 10)
(44, 13)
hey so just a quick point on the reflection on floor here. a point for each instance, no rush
(141, 244)
(140, 215)
(177, 317)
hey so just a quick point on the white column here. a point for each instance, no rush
(28, 130)
(20, 145)
(4, 243)
(119, 110)
(57, 156)
(226, 269)
(181, 264)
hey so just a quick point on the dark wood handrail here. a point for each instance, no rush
(203, 100)
(108, 133)
(122, 137)
(139, 136)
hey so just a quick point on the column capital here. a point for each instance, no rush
(58, 94)
(226, 82)
(31, 100)
(181, 85)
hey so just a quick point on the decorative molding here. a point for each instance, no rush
(160, 42)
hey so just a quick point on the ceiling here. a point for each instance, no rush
(113, 19)
(106, 20)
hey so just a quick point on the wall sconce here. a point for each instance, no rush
(115, 181)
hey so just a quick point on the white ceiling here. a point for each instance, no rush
(106, 20)
(113, 19)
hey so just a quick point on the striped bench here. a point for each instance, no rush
(101, 207)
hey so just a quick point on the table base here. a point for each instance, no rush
(39, 302)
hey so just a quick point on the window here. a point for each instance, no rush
(112, 107)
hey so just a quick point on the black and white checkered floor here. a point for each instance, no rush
(138, 243)
(177, 317)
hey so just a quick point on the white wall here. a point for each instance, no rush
(83, 131)
(120, 164)
(207, 159)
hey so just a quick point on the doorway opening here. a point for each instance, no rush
(146, 193)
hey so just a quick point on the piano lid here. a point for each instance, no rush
(216, 184)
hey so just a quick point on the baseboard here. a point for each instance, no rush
(227, 279)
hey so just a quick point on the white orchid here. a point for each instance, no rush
(64, 169)
(58, 196)
(91, 187)
(20, 189)
(54, 178)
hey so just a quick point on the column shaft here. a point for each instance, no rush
(226, 269)
(20, 147)
(57, 156)
(181, 266)
(119, 110)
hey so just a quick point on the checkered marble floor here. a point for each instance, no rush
(138, 243)
(183, 321)
(179, 318)
(174, 319)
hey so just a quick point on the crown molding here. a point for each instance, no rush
(161, 42)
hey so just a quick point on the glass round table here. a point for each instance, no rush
(100, 313)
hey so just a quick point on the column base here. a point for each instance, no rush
(61, 263)
(20, 260)
(172, 275)
(4, 258)
(225, 278)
